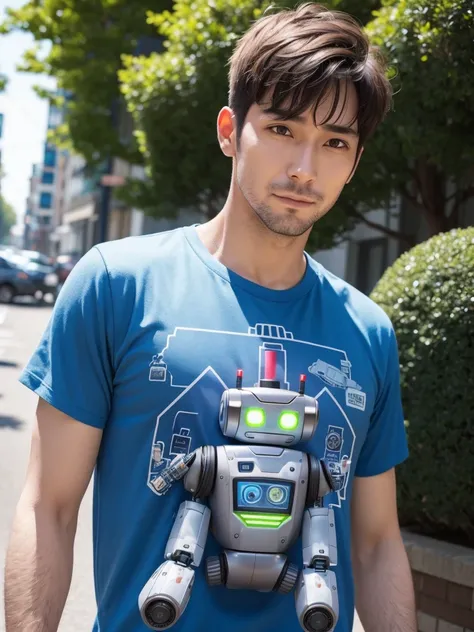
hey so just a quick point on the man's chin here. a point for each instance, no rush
(287, 227)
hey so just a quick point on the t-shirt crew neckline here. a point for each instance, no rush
(297, 291)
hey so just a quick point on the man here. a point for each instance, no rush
(148, 331)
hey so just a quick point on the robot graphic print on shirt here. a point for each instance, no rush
(328, 377)
(257, 496)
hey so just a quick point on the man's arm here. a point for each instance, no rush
(40, 553)
(384, 590)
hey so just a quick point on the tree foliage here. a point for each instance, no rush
(7, 218)
(86, 39)
(422, 150)
(174, 97)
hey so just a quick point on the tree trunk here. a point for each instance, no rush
(431, 189)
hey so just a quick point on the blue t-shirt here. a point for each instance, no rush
(145, 335)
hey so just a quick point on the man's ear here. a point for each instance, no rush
(361, 151)
(226, 132)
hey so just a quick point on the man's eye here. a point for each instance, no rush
(280, 130)
(337, 143)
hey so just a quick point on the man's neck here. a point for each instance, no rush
(244, 245)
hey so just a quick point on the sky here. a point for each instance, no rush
(24, 114)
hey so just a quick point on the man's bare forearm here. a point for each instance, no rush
(38, 570)
(385, 598)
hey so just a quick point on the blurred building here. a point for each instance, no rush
(30, 232)
(45, 199)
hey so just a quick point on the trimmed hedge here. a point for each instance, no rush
(429, 295)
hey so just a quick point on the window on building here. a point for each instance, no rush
(46, 200)
(45, 220)
(49, 157)
(54, 117)
(47, 177)
(371, 263)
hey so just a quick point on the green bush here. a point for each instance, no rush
(429, 295)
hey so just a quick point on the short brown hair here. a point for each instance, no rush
(297, 56)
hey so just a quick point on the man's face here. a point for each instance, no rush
(292, 172)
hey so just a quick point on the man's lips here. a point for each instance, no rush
(295, 202)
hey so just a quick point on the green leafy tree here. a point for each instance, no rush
(7, 218)
(417, 153)
(422, 151)
(86, 40)
(174, 98)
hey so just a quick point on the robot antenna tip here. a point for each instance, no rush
(302, 383)
(240, 374)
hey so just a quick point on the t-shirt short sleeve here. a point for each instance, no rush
(72, 366)
(385, 445)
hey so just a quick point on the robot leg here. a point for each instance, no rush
(317, 604)
(165, 596)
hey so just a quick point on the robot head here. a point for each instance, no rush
(267, 414)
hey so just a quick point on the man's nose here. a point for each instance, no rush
(303, 168)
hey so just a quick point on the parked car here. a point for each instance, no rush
(63, 266)
(37, 257)
(22, 277)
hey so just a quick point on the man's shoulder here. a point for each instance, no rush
(360, 308)
(137, 254)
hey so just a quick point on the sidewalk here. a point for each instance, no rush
(357, 624)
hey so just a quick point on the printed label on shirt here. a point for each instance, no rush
(355, 399)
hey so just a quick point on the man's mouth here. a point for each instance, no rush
(295, 202)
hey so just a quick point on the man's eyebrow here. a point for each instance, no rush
(340, 129)
(327, 127)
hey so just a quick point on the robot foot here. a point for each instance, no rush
(165, 596)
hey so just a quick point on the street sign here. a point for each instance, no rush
(111, 180)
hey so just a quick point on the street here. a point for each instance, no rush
(21, 327)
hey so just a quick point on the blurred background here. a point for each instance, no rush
(107, 129)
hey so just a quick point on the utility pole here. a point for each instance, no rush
(105, 204)
(106, 181)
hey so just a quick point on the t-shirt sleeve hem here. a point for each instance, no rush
(36, 384)
(363, 472)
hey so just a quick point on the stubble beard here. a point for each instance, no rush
(289, 224)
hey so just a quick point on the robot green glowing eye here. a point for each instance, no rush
(288, 420)
(255, 417)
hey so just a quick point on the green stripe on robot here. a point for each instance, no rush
(262, 520)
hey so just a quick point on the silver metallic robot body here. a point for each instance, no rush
(261, 497)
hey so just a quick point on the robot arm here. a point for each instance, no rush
(165, 596)
(316, 592)
(317, 603)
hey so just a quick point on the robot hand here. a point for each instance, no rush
(178, 468)
(165, 596)
(317, 603)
